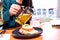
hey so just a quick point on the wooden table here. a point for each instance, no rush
(49, 33)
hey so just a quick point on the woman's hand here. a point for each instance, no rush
(14, 9)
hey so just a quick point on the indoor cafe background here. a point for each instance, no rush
(46, 8)
(41, 8)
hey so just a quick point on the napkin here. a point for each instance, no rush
(5, 37)
(1, 28)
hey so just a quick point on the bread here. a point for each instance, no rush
(27, 29)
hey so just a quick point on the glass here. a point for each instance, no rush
(24, 16)
(1, 16)
(44, 11)
(1, 22)
(35, 22)
(51, 12)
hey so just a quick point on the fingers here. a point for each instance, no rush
(14, 9)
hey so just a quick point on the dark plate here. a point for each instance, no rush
(17, 34)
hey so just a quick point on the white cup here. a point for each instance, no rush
(35, 23)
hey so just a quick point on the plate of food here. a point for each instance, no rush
(27, 32)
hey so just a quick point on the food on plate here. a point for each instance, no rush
(27, 29)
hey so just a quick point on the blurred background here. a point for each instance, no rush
(44, 9)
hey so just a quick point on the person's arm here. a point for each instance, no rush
(8, 9)
(6, 15)
(8, 20)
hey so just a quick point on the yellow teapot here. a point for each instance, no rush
(25, 16)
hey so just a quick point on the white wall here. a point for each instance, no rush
(0, 0)
(45, 3)
(58, 11)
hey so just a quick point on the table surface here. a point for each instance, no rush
(49, 33)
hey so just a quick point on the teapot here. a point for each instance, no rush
(24, 16)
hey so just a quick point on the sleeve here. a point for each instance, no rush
(6, 15)
(9, 21)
